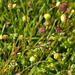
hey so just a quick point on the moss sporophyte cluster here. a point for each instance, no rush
(37, 37)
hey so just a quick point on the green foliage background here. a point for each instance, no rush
(11, 24)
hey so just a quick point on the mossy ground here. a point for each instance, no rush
(32, 45)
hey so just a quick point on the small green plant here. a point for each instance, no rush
(37, 37)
